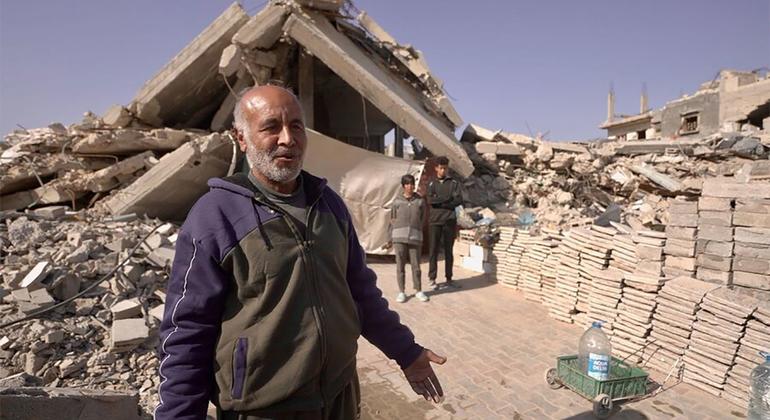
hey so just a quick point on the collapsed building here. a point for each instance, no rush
(732, 100)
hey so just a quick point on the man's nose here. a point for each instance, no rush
(285, 137)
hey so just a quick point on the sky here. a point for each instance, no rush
(530, 67)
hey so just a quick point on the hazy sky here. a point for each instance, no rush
(521, 66)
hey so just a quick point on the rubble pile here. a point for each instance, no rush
(567, 184)
(106, 338)
(82, 163)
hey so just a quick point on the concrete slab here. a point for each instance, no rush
(263, 29)
(172, 186)
(168, 99)
(390, 95)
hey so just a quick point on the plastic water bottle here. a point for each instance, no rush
(759, 391)
(595, 353)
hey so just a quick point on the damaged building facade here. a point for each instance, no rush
(727, 103)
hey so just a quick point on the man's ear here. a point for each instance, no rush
(239, 138)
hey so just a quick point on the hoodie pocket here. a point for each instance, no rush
(239, 367)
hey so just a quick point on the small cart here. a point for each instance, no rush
(626, 382)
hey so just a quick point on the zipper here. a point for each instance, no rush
(239, 367)
(307, 259)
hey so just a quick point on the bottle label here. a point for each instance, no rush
(599, 366)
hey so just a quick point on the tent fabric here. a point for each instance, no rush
(368, 182)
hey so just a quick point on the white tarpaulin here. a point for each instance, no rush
(367, 181)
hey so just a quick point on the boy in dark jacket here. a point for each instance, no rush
(444, 195)
(406, 218)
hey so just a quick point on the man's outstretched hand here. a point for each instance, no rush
(422, 378)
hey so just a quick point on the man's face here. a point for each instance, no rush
(408, 189)
(276, 140)
(441, 171)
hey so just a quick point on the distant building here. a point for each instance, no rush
(728, 102)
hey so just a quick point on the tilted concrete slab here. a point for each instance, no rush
(189, 85)
(376, 84)
(172, 186)
(67, 403)
(262, 30)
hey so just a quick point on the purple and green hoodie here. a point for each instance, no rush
(262, 318)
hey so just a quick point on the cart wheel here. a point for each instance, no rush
(552, 379)
(602, 406)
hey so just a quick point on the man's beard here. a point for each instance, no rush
(262, 162)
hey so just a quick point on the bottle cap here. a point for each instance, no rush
(596, 324)
(766, 355)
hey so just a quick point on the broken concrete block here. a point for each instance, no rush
(74, 238)
(230, 61)
(79, 255)
(117, 116)
(69, 367)
(127, 334)
(41, 298)
(33, 362)
(129, 308)
(162, 257)
(132, 272)
(68, 403)
(167, 98)
(157, 312)
(171, 187)
(36, 275)
(5, 342)
(51, 212)
(65, 286)
(55, 336)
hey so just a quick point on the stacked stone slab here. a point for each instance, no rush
(680, 244)
(642, 281)
(595, 249)
(567, 278)
(715, 239)
(755, 339)
(677, 304)
(550, 265)
(606, 291)
(718, 328)
(515, 254)
(500, 255)
(751, 261)
(506, 274)
(530, 281)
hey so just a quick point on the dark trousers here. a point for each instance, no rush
(441, 235)
(407, 253)
(346, 406)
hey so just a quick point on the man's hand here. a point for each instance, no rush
(422, 378)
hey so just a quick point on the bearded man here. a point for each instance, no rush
(269, 289)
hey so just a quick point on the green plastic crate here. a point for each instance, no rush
(625, 381)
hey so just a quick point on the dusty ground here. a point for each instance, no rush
(499, 346)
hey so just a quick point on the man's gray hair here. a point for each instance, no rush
(239, 120)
